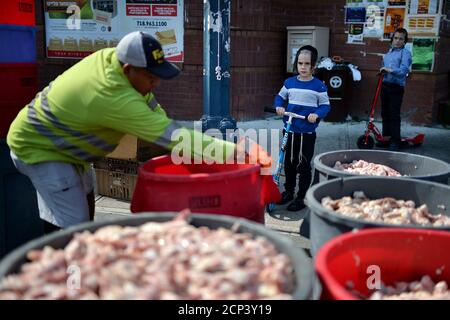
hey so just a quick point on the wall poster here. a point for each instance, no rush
(373, 27)
(355, 33)
(394, 17)
(355, 14)
(396, 2)
(74, 29)
(423, 25)
(423, 54)
(423, 6)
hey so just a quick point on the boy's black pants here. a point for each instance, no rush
(298, 161)
(391, 101)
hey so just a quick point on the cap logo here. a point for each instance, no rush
(158, 55)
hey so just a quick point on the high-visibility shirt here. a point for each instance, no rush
(82, 115)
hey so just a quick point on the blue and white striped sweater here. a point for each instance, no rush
(303, 98)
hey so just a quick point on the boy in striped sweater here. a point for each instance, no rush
(305, 95)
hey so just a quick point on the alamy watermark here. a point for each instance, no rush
(73, 22)
(373, 282)
(197, 148)
(74, 279)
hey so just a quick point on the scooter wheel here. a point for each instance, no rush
(361, 143)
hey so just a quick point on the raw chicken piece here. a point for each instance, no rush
(425, 289)
(362, 167)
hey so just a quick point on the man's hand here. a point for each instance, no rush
(388, 70)
(254, 154)
(280, 111)
(312, 117)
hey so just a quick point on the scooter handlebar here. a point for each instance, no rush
(293, 115)
(288, 114)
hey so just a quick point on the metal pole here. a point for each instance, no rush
(216, 65)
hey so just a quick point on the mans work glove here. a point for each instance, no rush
(251, 152)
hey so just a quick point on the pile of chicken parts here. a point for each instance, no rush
(362, 167)
(387, 210)
(171, 260)
(425, 289)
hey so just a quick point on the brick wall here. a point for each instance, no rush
(423, 91)
(258, 51)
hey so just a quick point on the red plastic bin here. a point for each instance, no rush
(18, 86)
(18, 12)
(230, 189)
(400, 254)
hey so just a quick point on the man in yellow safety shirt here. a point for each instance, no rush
(82, 115)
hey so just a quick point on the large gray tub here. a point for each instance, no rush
(410, 165)
(303, 268)
(326, 224)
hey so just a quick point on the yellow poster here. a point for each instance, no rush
(394, 18)
(423, 25)
(422, 6)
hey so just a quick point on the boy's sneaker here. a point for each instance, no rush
(285, 198)
(296, 205)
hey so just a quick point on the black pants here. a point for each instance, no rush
(298, 161)
(391, 101)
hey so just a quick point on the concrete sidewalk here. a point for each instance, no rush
(340, 136)
(343, 135)
(330, 137)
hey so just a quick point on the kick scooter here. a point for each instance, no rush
(280, 163)
(366, 141)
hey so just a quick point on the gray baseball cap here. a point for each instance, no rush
(142, 50)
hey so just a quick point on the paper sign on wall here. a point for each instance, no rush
(394, 18)
(355, 15)
(373, 28)
(423, 6)
(75, 29)
(355, 33)
(423, 54)
(423, 25)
